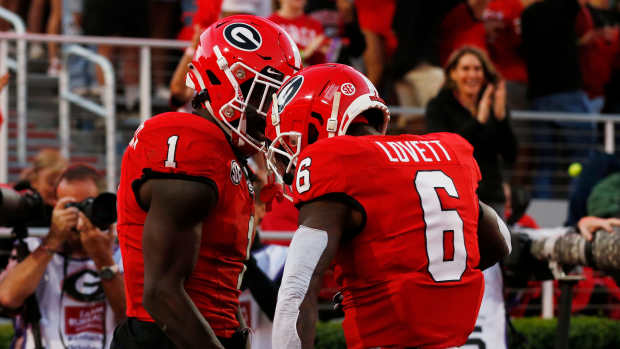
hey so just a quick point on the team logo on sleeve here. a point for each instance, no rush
(289, 91)
(243, 36)
(235, 172)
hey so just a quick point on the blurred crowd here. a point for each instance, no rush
(552, 54)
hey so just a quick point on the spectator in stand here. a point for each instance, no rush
(462, 26)
(415, 64)
(180, 94)
(42, 175)
(119, 18)
(502, 22)
(305, 31)
(15, 6)
(612, 90)
(598, 166)
(53, 23)
(197, 12)
(375, 19)
(551, 56)
(81, 72)
(472, 103)
(163, 24)
(339, 19)
(261, 8)
(588, 225)
(73, 273)
(195, 17)
(598, 47)
(555, 84)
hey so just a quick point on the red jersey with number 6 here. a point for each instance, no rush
(408, 278)
(189, 147)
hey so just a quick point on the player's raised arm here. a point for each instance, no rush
(493, 237)
(172, 236)
(323, 223)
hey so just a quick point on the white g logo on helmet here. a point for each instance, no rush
(243, 36)
(289, 91)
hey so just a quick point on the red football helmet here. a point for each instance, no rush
(240, 62)
(320, 101)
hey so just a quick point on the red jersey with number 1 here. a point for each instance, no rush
(408, 278)
(189, 147)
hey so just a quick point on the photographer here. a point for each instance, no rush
(73, 272)
(30, 202)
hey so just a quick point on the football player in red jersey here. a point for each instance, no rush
(185, 203)
(397, 215)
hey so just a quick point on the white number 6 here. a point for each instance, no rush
(440, 221)
(303, 176)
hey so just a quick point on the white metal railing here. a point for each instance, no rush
(21, 69)
(107, 110)
(145, 46)
(608, 119)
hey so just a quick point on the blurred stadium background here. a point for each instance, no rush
(93, 123)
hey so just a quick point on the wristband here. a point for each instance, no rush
(49, 251)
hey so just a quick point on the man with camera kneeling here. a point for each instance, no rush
(73, 271)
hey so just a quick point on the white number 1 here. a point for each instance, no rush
(445, 262)
(172, 148)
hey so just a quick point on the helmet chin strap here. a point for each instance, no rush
(332, 122)
(223, 65)
(275, 117)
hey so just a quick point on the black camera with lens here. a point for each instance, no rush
(101, 211)
(23, 208)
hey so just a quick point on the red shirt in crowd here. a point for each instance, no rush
(415, 258)
(304, 30)
(503, 22)
(596, 57)
(460, 28)
(377, 17)
(207, 12)
(186, 146)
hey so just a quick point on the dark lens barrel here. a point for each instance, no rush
(19, 207)
(104, 211)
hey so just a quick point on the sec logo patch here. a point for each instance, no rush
(235, 172)
(347, 88)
